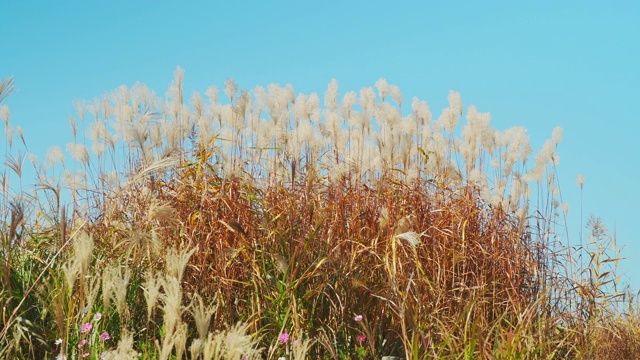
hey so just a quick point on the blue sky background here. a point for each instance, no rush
(574, 64)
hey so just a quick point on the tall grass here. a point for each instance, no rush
(265, 224)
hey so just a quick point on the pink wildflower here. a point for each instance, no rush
(361, 338)
(105, 336)
(284, 337)
(82, 343)
(358, 318)
(86, 327)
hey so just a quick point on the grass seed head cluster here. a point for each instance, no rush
(211, 227)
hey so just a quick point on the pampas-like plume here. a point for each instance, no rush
(300, 349)
(176, 262)
(233, 343)
(6, 89)
(4, 114)
(196, 348)
(396, 94)
(171, 299)
(230, 88)
(8, 131)
(202, 315)
(125, 350)
(151, 292)
(83, 252)
(119, 284)
(79, 153)
(180, 340)
(383, 88)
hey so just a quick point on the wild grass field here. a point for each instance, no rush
(266, 224)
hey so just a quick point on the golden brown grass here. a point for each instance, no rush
(223, 229)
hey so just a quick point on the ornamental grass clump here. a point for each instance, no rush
(358, 224)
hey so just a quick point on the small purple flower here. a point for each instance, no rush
(82, 343)
(361, 338)
(105, 336)
(283, 338)
(86, 327)
(358, 318)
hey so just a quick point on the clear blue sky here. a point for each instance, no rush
(574, 64)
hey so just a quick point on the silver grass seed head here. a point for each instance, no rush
(230, 88)
(348, 101)
(313, 108)
(455, 102)
(125, 349)
(151, 292)
(197, 103)
(196, 348)
(383, 88)
(421, 110)
(212, 94)
(8, 131)
(79, 152)
(4, 114)
(54, 155)
(448, 120)
(331, 95)
(557, 135)
(396, 94)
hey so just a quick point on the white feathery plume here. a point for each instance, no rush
(289, 93)
(448, 120)
(74, 128)
(300, 108)
(4, 114)
(421, 110)
(313, 108)
(383, 88)
(396, 94)
(54, 154)
(261, 97)
(348, 101)
(543, 157)
(33, 159)
(8, 131)
(175, 90)
(230, 88)
(98, 148)
(331, 96)
(198, 104)
(455, 102)
(557, 135)
(367, 100)
(79, 152)
(80, 108)
(74, 181)
(212, 94)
